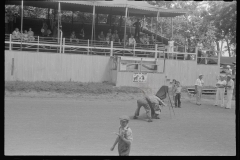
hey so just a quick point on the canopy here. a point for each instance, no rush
(135, 8)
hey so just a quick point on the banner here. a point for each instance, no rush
(140, 77)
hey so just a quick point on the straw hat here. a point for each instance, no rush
(124, 118)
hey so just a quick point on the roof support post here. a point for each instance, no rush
(72, 21)
(156, 26)
(48, 13)
(21, 22)
(93, 23)
(219, 56)
(172, 27)
(59, 12)
(151, 23)
(125, 27)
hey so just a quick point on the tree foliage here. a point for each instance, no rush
(208, 22)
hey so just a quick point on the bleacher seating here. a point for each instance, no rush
(67, 28)
(204, 91)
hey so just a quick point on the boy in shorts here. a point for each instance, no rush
(124, 138)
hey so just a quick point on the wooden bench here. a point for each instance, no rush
(204, 91)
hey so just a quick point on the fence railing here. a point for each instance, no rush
(95, 47)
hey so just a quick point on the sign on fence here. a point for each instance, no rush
(140, 77)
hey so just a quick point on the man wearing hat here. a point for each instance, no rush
(198, 88)
(220, 91)
(229, 70)
(124, 138)
(229, 86)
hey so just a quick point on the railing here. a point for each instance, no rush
(80, 46)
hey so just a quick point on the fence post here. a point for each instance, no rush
(63, 45)
(219, 58)
(196, 51)
(38, 45)
(111, 50)
(10, 42)
(141, 65)
(88, 48)
(60, 43)
(133, 49)
(156, 48)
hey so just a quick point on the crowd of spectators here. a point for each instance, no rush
(27, 36)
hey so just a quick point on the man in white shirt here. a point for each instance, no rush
(229, 87)
(171, 45)
(198, 89)
(131, 41)
(220, 91)
(16, 34)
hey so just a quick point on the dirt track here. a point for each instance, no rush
(84, 125)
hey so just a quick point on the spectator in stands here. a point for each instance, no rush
(115, 37)
(44, 29)
(131, 41)
(48, 32)
(15, 19)
(152, 39)
(109, 36)
(101, 36)
(55, 32)
(198, 89)
(120, 21)
(220, 91)
(146, 39)
(229, 70)
(137, 26)
(6, 22)
(82, 33)
(25, 36)
(31, 35)
(73, 37)
(170, 45)
(141, 39)
(16, 34)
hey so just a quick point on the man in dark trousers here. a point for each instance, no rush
(137, 26)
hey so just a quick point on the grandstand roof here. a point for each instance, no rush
(136, 8)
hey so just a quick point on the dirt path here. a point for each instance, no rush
(54, 124)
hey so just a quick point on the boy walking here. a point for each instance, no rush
(177, 94)
(124, 138)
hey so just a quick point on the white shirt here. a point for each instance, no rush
(131, 41)
(229, 71)
(126, 132)
(171, 43)
(30, 33)
(230, 83)
(221, 82)
(199, 82)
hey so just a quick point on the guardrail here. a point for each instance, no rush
(80, 46)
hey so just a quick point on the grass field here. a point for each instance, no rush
(50, 123)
